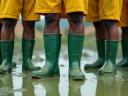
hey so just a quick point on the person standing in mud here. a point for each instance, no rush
(105, 14)
(75, 11)
(10, 11)
(124, 42)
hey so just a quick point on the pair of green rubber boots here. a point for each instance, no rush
(52, 45)
(7, 54)
(106, 57)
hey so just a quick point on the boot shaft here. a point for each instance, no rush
(52, 46)
(7, 50)
(124, 45)
(111, 51)
(101, 48)
(75, 46)
(27, 49)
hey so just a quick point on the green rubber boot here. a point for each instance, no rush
(27, 52)
(7, 53)
(75, 46)
(110, 58)
(124, 61)
(52, 44)
(0, 54)
(101, 55)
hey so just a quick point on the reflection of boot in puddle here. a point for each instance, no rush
(74, 88)
(107, 86)
(123, 82)
(27, 87)
(6, 87)
(46, 87)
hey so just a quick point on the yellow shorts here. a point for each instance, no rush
(124, 15)
(56, 6)
(104, 9)
(13, 9)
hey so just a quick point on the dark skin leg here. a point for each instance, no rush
(76, 25)
(28, 42)
(0, 30)
(100, 44)
(7, 38)
(76, 39)
(111, 30)
(124, 33)
(52, 23)
(100, 31)
(28, 30)
(51, 45)
(7, 32)
(52, 27)
(111, 45)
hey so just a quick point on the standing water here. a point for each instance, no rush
(21, 84)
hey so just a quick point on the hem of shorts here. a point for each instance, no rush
(76, 10)
(102, 18)
(44, 11)
(2, 16)
(15, 17)
(122, 25)
(109, 18)
(31, 19)
(91, 20)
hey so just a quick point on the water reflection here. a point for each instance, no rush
(18, 84)
(22, 83)
(39, 90)
(74, 88)
(123, 81)
(89, 86)
(109, 85)
(64, 85)
(6, 87)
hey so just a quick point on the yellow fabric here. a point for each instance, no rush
(124, 15)
(56, 6)
(13, 9)
(104, 9)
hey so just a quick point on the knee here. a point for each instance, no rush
(124, 29)
(9, 24)
(28, 25)
(28, 29)
(52, 19)
(75, 18)
(124, 33)
(99, 27)
(109, 24)
(97, 24)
